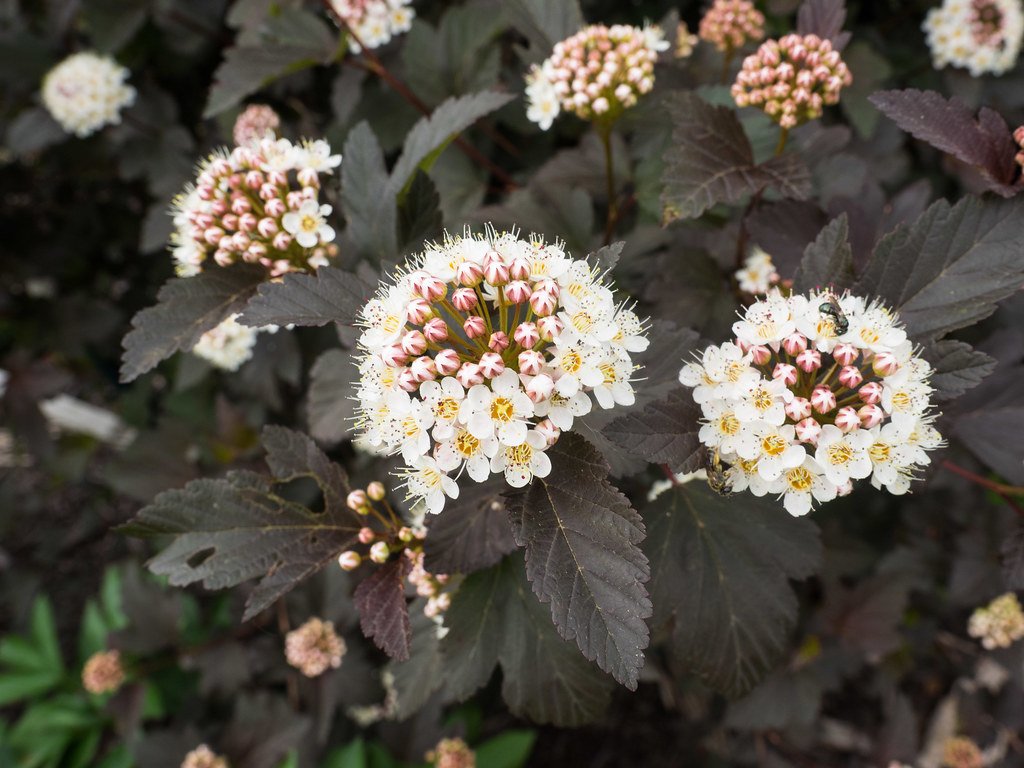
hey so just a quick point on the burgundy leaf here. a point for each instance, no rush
(383, 612)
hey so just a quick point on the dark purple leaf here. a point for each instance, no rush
(474, 531)
(383, 612)
(828, 261)
(330, 295)
(824, 18)
(664, 431)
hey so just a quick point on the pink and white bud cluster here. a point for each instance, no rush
(452, 753)
(481, 350)
(758, 274)
(801, 407)
(375, 22)
(103, 672)
(230, 344)
(595, 74)
(731, 24)
(999, 624)
(792, 79)
(87, 91)
(314, 647)
(255, 123)
(203, 757)
(257, 203)
(981, 36)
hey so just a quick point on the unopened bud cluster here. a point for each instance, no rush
(792, 79)
(229, 344)
(257, 203)
(815, 392)
(480, 351)
(1018, 136)
(962, 752)
(203, 757)
(255, 123)
(314, 647)
(731, 24)
(87, 91)
(758, 273)
(999, 624)
(452, 753)
(396, 537)
(595, 74)
(981, 36)
(103, 672)
(375, 22)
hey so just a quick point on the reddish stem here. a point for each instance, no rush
(1005, 492)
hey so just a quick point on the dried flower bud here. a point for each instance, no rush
(314, 647)
(103, 672)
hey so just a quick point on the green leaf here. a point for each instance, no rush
(227, 531)
(186, 308)
(118, 757)
(664, 431)
(720, 578)
(92, 635)
(828, 261)
(329, 405)
(22, 654)
(473, 533)
(509, 749)
(352, 755)
(583, 557)
(948, 269)
(432, 134)
(710, 161)
(44, 633)
(494, 619)
(367, 198)
(545, 22)
(330, 295)
(17, 686)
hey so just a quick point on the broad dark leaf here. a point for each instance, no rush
(227, 531)
(711, 161)
(950, 126)
(474, 531)
(828, 261)
(824, 18)
(664, 431)
(329, 295)
(419, 674)
(948, 269)
(785, 699)
(1013, 559)
(154, 614)
(545, 22)
(494, 619)
(367, 199)
(785, 229)
(383, 612)
(720, 577)
(995, 434)
(186, 308)
(330, 406)
(32, 130)
(958, 368)
(607, 256)
(583, 557)
(262, 731)
(432, 134)
(419, 215)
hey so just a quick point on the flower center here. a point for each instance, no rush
(610, 376)
(839, 453)
(446, 408)
(870, 335)
(582, 321)
(466, 444)
(763, 399)
(799, 479)
(502, 409)
(773, 445)
(901, 401)
(748, 467)
(431, 478)
(879, 452)
(410, 426)
(729, 424)
(309, 223)
(392, 323)
(519, 455)
(734, 370)
(571, 362)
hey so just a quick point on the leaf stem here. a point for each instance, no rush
(604, 130)
(1005, 492)
(781, 146)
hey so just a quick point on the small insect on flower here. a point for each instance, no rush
(718, 479)
(830, 308)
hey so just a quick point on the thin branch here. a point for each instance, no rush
(1005, 492)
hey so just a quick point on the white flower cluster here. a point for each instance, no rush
(481, 350)
(230, 344)
(87, 91)
(758, 274)
(375, 22)
(977, 35)
(256, 203)
(999, 624)
(595, 74)
(815, 392)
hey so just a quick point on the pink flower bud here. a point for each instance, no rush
(491, 364)
(517, 292)
(394, 355)
(268, 192)
(785, 373)
(474, 326)
(464, 299)
(379, 552)
(871, 393)
(469, 274)
(275, 208)
(447, 362)
(247, 222)
(366, 535)
(847, 419)
(498, 342)
(469, 374)
(823, 399)
(414, 343)
(240, 205)
(760, 355)
(809, 360)
(407, 381)
(282, 240)
(435, 330)
(543, 303)
(308, 177)
(356, 500)
(376, 490)
(278, 178)
(256, 251)
(526, 335)
(884, 364)
(845, 489)
(549, 328)
(794, 344)
(495, 271)
(519, 268)
(213, 235)
(433, 288)
(530, 362)
(548, 431)
(850, 376)
(349, 560)
(222, 257)
(423, 369)
(798, 408)
(254, 180)
(547, 285)
(870, 415)
(540, 388)
(808, 431)
(418, 311)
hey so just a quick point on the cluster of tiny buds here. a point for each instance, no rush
(103, 672)
(1018, 136)
(395, 538)
(962, 752)
(374, 22)
(254, 123)
(314, 648)
(452, 753)
(982, 36)
(731, 24)
(87, 91)
(998, 624)
(203, 757)
(792, 79)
